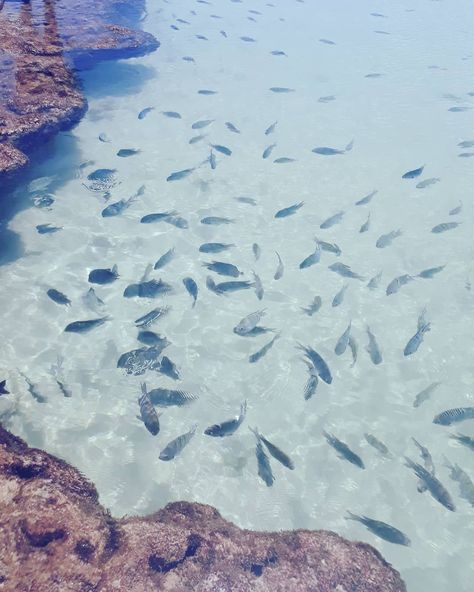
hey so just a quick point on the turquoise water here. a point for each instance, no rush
(398, 121)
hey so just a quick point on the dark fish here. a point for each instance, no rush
(268, 150)
(271, 128)
(317, 361)
(444, 227)
(216, 220)
(344, 271)
(152, 316)
(150, 289)
(366, 199)
(137, 361)
(343, 450)
(312, 382)
(332, 220)
(156, 217)
(152, 338)
(227, 428)
(456, 415)
(457, 210)
(171, 114)
(248, 39)
(326, 99)
(202, 37)
(433, 485)
(329, 247)
(176, 446)
(257, 251)
(169, 368)
(85, 326)
(207, 92)
(126, 152)
(231, 127)
(263, 464)
(196, 139)
(415, 341)
(466, 144)
(223, 268)
(48, 228)
(104, 138)
(289, 211)
(188, 59)
(201, 123)
(247, 200)
(144, 112)
(277, 454)
(33, 389)
(58, 297)
(191, 288)
(381, 529)
(253, 358)
(339, 297)
(425, 394)
(353, 346)
(281, 89)
(377, 444)
(327, 41)
(118, 207)
(277, 52)
(283, 160)
(373, 348)
(3, 388)
(465, 440)
(214, 247)
(178, 175)
(366, 225)
(429, 465)
(343, 341)
(168, 398)
(397, 283)
(147, 412)
(223, 287)
(313, 307)
(414, 173)
(312, 258)
(429, 273)
(222, 149)
(212, 160)
(103, 276)
(164, 259)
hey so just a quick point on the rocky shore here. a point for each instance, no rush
(56, 537)
(39, 49)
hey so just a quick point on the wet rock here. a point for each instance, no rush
(39, 91)
(55, 536)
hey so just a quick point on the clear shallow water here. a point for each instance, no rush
(399, 121)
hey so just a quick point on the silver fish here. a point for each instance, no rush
(386, 240)
(249, 322)
(415, 341)
(271, 128)
(373, 348)
(280, 269)
(268, 150)
(332, 220)
(263, 464)
(464, 440)
(429, 273)
(339, 297)
(317, 362)
(433, 485)
(425, 394)
(147, 412)
(365, 226)
(345, 271)
(397, 283)
(444, 227)
(165, 259)
(277, 454)
(253, 358)
(343, 341)
(366, 199)
(227, 428)
(343, 450)
(429, 464)
(176, 446)
(428, 182)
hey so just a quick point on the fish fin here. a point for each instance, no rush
(143, 387)
(115, 270)
(243, 409)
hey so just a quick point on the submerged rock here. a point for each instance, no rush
(55, 536)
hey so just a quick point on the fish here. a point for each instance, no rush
(215, 247)
(327, 151)
(259, 330)
(222, 149)
(458, 109)
(415, 341)
(92, 301)
(312, 258)
(249, 322)
(429, 273)
(386, 240)
(162, 397)
(176, 221)
(33, 389)
(3, 388)
(413, 173)
(381, 529)
(255, 357)
(466, 486)
(344, 271)
(327, 41)
(332, 220)
(284, 160)
(212, 160)
(397, 283)
(168, 368)
(150, 289)
(248, 39)
(202, 37)
(247, 200)
(207, 92)
(127, 152)
(229, 427)
(444, 227)
(85, 326)
(339, 297)
(223, 33)
(373, 348)
(268, 150)
(58, 297)
(466, 154)
(216, 220)
(103, 137)
(289, 211)
(466, 144)
(343, 341)
(429, 465)
(280, 269)
(176, 446)
(378, 445)
(263, 465)
(467, 441)
(188, 59)
(196, 139)
(118, 207)
(365, 226)
(144, 112)
(164, 259)
(455, 415)
(258, 286)
(137, 361)
(317, 362)
(191, 288)
(312, 308)
(103, 276)
(329, 247)
(47, 228)
(222, 268)
(457, 210)
(433, 485)
(231, 127)
(201, 124)
(375, 281)
(343, 450)
(277, 454)
(365, 200)
(56, 372)
(425, 394)
(150, 317)
(278, 52)
(223, 287)
(353, 346)
(271, 128)
(156, 217)
(178, 175)
(326, 99)
(152, 338)
(257, 251)
(148, 414)
(428, 182)
(312, 382)
(281, 89)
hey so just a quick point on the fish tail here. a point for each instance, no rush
(143, 387)
(255, 432)
(243, 409)
(351, 516)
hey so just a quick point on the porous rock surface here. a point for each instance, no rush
(56, 537)
(39, 43)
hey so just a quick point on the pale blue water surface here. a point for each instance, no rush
(400, 120)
